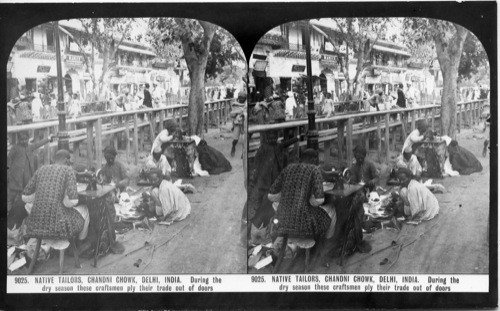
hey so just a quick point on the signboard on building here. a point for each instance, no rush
(43, 69)
(298, 68)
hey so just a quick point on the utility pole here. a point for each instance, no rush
(62, 135)
(312, 133)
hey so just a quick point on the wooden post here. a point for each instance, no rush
(340, 142)
(90, 143)
(459, 111)
(366, 136)
(180, 116)
(212, 118)
(152, 123)
(474, 119)
(379, 139)
(471, 114)
(226, 110)
(141, 136)
(403, 127)
(413, 120)
(349, 141)
(433, 114)
(114, 137)
(217, 114)
(46, 148)
(127, 138)
(98, 142)
(162, 120)
(136, 141)
(387, 129)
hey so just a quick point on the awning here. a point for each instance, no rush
(390, 50)
(320, 31)
(66, 32)
(260, 65)
(372, 80)
(136, 50)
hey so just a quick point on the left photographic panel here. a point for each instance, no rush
(124, 149)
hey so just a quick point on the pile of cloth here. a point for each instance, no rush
(211, 159)
(462, 160)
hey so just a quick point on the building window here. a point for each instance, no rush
(50, 40)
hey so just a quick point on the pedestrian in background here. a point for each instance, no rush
(237, 113)
(329, 107)
(147, 97)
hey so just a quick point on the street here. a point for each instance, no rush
(205, 242)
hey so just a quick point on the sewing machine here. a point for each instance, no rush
(91, 178)
(337, 177)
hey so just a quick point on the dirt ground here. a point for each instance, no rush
(208, 241)
(456, 241)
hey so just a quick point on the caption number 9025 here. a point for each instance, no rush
(258, 279)
(21, 280)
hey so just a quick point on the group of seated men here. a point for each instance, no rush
(46, 200)
(298, 193)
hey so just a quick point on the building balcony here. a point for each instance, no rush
(44, 48)
(293, 47)
(274, 40)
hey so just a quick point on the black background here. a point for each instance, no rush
(248, 22)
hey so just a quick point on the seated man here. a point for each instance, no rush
(419, 202)
(158, 160)
(52, 196)
(168, 202)
(409, 161)
(363, 170)
(462, 160)
(21, 168)
(114, 171)
(299, 191)
(415, 137)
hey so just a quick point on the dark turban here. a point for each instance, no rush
(110, 150)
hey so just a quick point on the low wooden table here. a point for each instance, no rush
(95, 199)
(341, 200)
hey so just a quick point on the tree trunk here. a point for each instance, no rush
(196, 104)
(448, 100)
(449, 54)
(105, 65)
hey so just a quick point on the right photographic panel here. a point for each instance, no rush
(368, 149)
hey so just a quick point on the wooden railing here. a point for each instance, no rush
(382, 128)
(134, 125)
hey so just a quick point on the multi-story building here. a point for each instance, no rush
(33, 61)
(280, 54)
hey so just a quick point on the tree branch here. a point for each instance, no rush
(208, 34)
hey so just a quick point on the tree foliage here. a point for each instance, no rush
(474, 61)
(101, 36)
(357, 37)
(206, 49)
(447, 39)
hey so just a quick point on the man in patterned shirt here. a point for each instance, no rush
(53, 195)
(299, 191)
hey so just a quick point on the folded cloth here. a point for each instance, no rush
(198, 170)
(448, 170)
